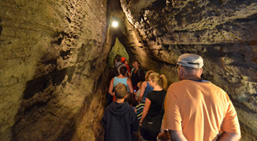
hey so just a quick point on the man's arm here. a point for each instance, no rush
(177, 135)
(230, 125)
(225, 136)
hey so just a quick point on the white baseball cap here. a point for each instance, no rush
(190, 60)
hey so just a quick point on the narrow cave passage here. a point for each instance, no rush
(119, 49)
(56, 56)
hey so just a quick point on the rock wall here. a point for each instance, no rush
(52, 77)
(54, 56)
(222, 31)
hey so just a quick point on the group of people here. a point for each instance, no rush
(121, 73)
(192, 109)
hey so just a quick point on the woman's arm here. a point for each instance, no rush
(145, 111)
(142, 91)
(130, 86)
(111, 88)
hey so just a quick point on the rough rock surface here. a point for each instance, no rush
(54, 57)
(222, 31)
(50, 71)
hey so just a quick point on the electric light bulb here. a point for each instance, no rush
(115, 24)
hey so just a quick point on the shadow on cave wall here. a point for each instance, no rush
(39, 92)
(40, 98)
(36, 86)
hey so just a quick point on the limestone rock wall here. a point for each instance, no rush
(51, 85)
(222, 31)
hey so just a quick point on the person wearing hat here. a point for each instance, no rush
(196, 109)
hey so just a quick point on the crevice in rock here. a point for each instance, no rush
(65, 54)
(35, 86)
(1, 28)
(39, 84)
(60, 37)
(250, 18)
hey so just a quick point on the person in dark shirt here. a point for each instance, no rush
(154, 102)
(137, 74)
(120, 120)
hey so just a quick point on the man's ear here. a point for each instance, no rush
(200, 71)
(181, 71)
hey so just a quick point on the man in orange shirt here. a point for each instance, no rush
(196, 109)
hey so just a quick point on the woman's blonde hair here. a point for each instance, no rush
(161, 80)
(147, 74)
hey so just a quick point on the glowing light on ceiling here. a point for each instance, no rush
(115, 24)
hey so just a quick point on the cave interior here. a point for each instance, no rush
(56, 56)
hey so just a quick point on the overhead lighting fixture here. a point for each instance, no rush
(115, 24)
